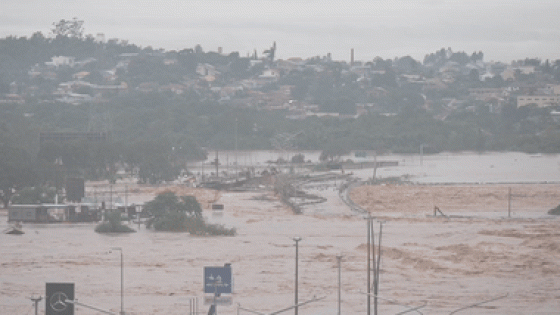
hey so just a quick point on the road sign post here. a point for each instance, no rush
(57, 296)
(217, 280)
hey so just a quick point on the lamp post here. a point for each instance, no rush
(339, 260)
(122, 279)
(296, 239)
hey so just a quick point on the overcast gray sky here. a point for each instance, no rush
(504, 30)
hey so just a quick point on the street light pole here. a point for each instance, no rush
(369, 231)
(339, 259)
(122, 279)
(296, 239)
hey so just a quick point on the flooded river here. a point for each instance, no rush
(506, 167)
(441, 263)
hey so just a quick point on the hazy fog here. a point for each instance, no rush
(504, 30)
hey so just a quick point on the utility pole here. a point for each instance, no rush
(122, 279)
(377, 266)
(126, 202)
(375, 166)
(216, 162)
(296, 239)
(369, 228)
(236, 177)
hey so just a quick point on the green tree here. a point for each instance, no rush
(155, 162)
(69, 28)
(168, 202)
(181, 214)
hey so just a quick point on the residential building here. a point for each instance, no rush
(538, 100)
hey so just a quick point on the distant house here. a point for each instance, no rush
(539, 100)
(271, 74)
(107, 90)
(64, 90)
(450, 67)
(254, 62)
(216, 89)
(174, 88)
(59, 61)
(484, 94)
(128, 55)
(169, 62)
(486, 76)
(206, 70)
(553, 89)
(434, 84)
(75, 98)
(109, 75)
(12, 99)
(287, 65)
(509, 74)
(361, 70)
(80, 75)
(84, 62)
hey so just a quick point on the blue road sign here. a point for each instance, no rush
(217, 280)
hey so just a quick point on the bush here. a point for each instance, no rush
(174, 221)
(183, 214)
(216, 229)
(554, 211)
(113, 224)
(107, 227)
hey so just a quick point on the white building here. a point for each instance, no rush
(58, 61)
(539, 100)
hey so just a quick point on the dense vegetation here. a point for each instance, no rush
(113, 224)
(181, 214)
(154, 133)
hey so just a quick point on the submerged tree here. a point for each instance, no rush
(181, 214)
(113, 224)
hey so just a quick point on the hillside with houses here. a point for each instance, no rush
(447, 81)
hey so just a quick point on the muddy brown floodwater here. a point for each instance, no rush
(475, 254)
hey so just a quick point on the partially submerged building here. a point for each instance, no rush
(52, 213)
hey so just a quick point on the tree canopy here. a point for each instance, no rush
(181, 214)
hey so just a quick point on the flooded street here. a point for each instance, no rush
(444, 263)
